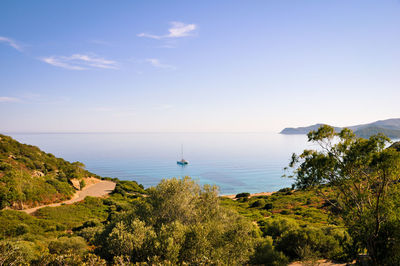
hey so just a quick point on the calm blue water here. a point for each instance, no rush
(236, 162)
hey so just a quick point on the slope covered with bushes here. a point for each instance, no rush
(31, 177)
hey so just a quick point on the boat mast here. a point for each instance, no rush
(182, 151)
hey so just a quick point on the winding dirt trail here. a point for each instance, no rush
(98, 189)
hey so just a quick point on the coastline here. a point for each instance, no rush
(233, 196)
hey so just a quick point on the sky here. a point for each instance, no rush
(197, 66)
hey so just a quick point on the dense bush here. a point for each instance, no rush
(10, 254)
(68, 245)
(298, 243)
(268, 206)
(276, 227)
(266, 254)
(179, 222)
(128, 187)
(257, 203)
(242, 195)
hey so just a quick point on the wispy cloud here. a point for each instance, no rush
(5, 99)
(80, 62)
(11, 43)
(177, 30)
(156, 63)
(34, 98)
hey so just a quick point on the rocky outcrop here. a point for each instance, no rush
(75, 183)
(38, 173)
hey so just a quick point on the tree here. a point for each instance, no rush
(363, 176)
(179, 222)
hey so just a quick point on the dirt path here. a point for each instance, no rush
(319, 263)
(94, 190)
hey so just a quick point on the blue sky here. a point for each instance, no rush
(197, 66)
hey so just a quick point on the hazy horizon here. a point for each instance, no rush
(168, 132)
(212, 67)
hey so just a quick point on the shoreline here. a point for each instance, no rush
(233, 196)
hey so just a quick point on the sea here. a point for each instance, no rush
(235, 162)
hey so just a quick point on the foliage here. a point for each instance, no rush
(70, 216)
(299, 225)
(266, 254)
(176, 222)
(179, 222)
(10, 254)
(328, 242)
(303, 206)
(128, 187)
(242, 195)
(364, 176)
(68, 245)
(30, 177)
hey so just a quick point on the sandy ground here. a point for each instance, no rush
(251, 195)
(319, 263)
(95, 188)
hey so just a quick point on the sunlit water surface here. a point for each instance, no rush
(236, 162)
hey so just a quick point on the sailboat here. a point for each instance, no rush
(182, 161)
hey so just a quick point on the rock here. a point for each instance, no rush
(38, 173)
(75, 183)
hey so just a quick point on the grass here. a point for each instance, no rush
(306, 207)
(73, 215)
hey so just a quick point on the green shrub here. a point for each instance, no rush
(276, 227)
(285, 212)
(301, 243)
(11, 254)
(242, 195)
(257, 203)
(68, 245)
(285, 190)
(179, 222)
(5, 166)
(82, 183)
(268, 206)
(265, 254)
(21, 229)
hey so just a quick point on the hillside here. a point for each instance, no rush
(30, 177)
(389, 127)
(177, 222)
(302, 130)
(366, 132)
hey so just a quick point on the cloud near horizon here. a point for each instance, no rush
(10, 42)
(80, 62)
(178, 30)
(5, 99)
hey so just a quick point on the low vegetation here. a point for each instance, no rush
(179, 222)
(31, 177)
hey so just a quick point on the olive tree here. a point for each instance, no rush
(364, 176)
(179, 222)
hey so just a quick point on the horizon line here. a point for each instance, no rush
(133, 132)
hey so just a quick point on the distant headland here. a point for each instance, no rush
(389, 127)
